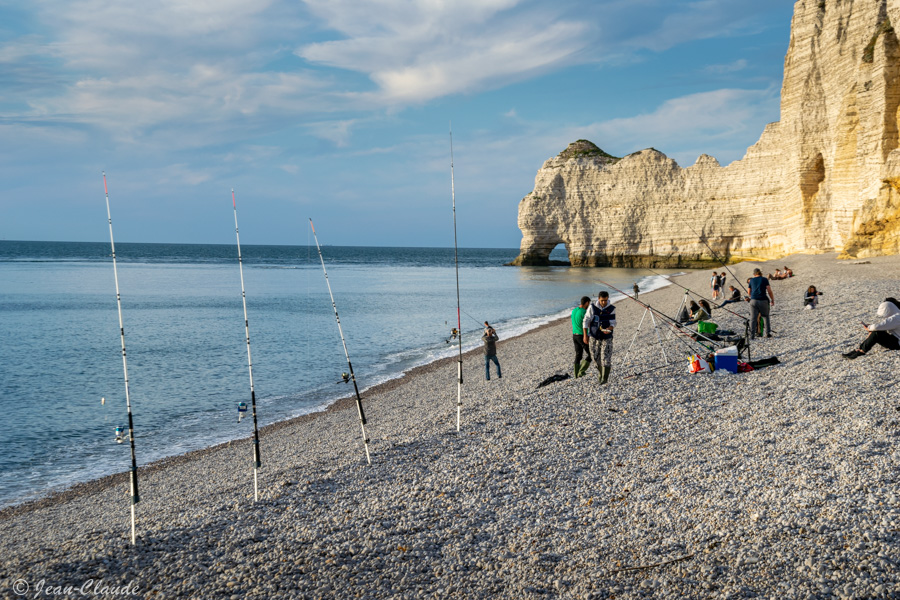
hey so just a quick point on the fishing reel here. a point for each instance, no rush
(345, 378)
(121, 436)
(242, 409)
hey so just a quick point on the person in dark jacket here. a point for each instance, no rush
(811, 298)
(734, 296)
(490, 351)
(599, 322)
(761, 300)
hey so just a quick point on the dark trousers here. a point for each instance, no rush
(759, 308)
(888, 340)
(487, 366)
(581, 349)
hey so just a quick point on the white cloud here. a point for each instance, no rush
(419, 50)
(188, 73)
(732, 67)
(183, 174)
(336, 132)
(705, 119)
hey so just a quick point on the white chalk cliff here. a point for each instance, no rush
(825, 178)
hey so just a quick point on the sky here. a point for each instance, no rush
(341, 110)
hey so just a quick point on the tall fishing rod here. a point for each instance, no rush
(715, 255)
(459, 369)
(359, 406)
(676, 327)
(697, 294)
(738, 281)
(256, 461)
(135, 497)
(480, 323)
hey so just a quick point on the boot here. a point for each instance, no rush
(577, 369)
(604, 375)
(583, 367)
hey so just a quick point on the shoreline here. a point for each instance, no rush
(344, 403)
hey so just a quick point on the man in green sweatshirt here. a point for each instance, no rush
(581, 349)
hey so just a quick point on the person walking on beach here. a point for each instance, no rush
(636, 289)
(490, 351)
(884, 333)
(581, 347)
(760, 294)
(599, 322)
(714, 284)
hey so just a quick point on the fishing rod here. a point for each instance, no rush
(135, 497)
(676, 327)
(738, 281)
(459, 381)
(715, 255)
(638, 374)
(697, 294)
(359, 406)
(470, 316)
(742, 317)
(256, 462)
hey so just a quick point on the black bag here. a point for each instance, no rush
(765, 362)
(553, 378)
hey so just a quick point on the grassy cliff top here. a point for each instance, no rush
(581, 148)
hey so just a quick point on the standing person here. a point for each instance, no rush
(490, 351)
(759, 289)
(599, 322)
(885, 333)
(714, 284)
(722, 282)
(636, 289)
(581, 347)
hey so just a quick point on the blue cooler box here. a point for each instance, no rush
(727, 359)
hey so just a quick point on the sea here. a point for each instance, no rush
(61, 368)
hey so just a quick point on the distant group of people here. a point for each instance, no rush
(593, 323)
(779, 274)
(717, 284)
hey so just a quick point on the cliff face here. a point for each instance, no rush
(826, 177)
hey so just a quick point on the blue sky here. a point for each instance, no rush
(339, 109)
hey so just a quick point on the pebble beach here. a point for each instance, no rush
(780, 483)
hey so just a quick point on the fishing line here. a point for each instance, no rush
(256, 461)
(715, 255)
(698, 295)
(359, 407)
(738, 281)
(480, 323)
(135, 497)
(677, 328)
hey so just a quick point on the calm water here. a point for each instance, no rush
(187, 358)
